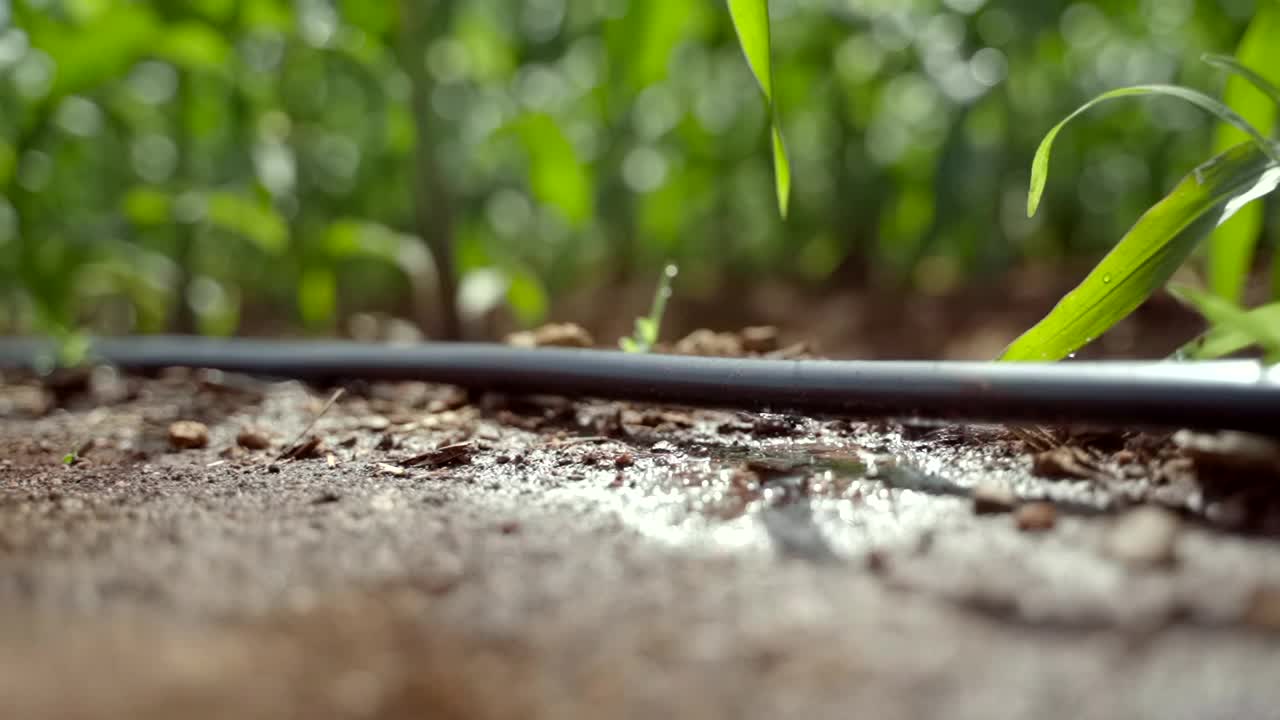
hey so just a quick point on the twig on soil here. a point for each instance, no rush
(586, 439)
(290, 449)
(1037, 438)
(308, 448)
(448, 455)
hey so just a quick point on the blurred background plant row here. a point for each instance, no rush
(224, 165)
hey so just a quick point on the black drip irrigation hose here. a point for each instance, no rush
(1229, 395)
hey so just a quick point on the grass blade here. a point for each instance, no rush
(781, 169)
(1233, 328)
(1040, 164)
(1230, 64)
(1252, 92)
(1221, 340)
(751, 22)
(1147, 256)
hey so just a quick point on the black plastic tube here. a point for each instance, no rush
(1235, 394)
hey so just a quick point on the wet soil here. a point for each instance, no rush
(411, 551)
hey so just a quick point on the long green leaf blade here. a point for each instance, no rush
(1147, 256)
(1254, 95)
(1040, 164)
(782, 171)
(1222, 340)
(1222, 313)
(751, 22)
(1263, 84)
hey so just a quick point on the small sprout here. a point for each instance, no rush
(70, 458)
(647, 328)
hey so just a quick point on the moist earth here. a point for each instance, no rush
(204, 545)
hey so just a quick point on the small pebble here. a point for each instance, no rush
(1144, 537)
(1036, 517)
(188, 434)
(252, 438)
(991, 497)
(759, 339)
(877, 562)
(553, 335)
(1134, 472)
(326, 497)
(1263, 609)
(708, 342)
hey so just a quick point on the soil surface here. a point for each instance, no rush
(411, 551)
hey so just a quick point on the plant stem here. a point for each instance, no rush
(433, 214)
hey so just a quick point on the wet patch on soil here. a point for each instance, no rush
(404, 550)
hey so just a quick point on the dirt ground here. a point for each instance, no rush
(420, 553)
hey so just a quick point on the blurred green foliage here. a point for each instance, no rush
(213, 165)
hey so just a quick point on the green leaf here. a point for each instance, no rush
(348, 238)
(1040, 164)
(646, 331)
(148, 206)
(317, 296)
(649, 326)
(218, 11)
(375, 18)
(1263, 85)
(557, 176)
(1147, 256)
(1254, 95)
(751, 22)
(782, 171)
(267, 15)
(527, 298)
(647, 35)
(254, 220)
(1233, 322)
(8, 162)
(101, 48)
(1221, 340)
(195, 46)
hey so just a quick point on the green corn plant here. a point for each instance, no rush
(1164, 237)
(647, 327)
(751, 23)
